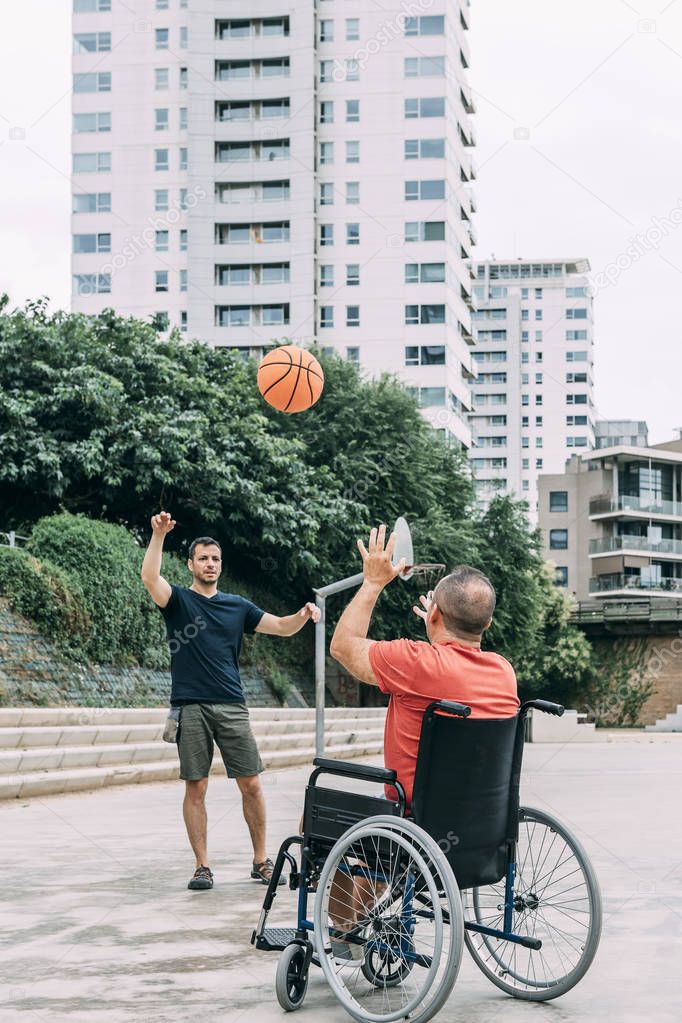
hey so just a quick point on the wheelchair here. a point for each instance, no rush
(397, 898)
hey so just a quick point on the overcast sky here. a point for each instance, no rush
(579, 130)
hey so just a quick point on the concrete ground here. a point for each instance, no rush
(99, 927)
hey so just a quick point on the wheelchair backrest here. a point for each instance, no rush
(466, 791)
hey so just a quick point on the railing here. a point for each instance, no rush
(625, 502)
(609, 583)
(634, 543)
(10, 539)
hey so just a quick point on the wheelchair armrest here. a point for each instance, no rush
(544, 705)
(325, 766)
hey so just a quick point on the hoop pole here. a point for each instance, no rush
(320, 655)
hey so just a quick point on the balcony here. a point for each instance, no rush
(614, 583)
(609, 544)
(647, 506)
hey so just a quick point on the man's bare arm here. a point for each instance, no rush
(159, 588)
(288, 625)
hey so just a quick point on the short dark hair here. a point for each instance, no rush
(466, 600)
(203, 541)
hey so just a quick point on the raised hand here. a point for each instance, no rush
(162, 523)
(311, 611)
(377, 559)
(425, 600)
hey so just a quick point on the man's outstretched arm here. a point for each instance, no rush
(350, 645)
(159, 588)
(288, 625)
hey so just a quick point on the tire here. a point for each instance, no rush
(404, 937)
(291, 983)
(557, 900)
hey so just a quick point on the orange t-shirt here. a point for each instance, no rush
(415, 674)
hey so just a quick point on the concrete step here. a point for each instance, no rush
(52, 758)
(94, 717)
(567, 728)
(670, 723)
(42, 783)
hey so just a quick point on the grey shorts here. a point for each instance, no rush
(226, 725)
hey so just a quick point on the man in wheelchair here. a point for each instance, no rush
(448, 857)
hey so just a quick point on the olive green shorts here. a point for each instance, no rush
(226, 725)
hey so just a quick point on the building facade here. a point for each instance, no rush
(612, 522)
(609, 433)
(534, 391)
(300, 171)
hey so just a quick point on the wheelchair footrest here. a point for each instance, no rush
(275, 939)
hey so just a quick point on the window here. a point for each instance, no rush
(425, 355)
(558, 539)
(538, 442)
(352, 68)
(538, 399)
(183, 77)
(524, 399)
(525, 463)
(92, 42)
(576, 378)
(326, 194)
(183, 119)
(92, 202)
(424, 149)
(352, 29)
(424, 189)
(161, 119)
(429, 25)
(524, 293)
(161, 38)
(91, 122)
(538, 293)
(326, 234)
(352, 234)
(558, 500)
(94, 82)
(184, 37)
(426, 273)
(161, 241)
(183, 158)
(524, 358)
(161, 159)
(576, 314)
(160, 199)
(326, 112)
(183, 280)
(538, 378)
(538, 420)
(576, 399)
(84, 243)
(425, 231)
(525, 443)
(92, 284)
(352, 152)
(91, 163)
(353, 355)
(90, 6)
(426, 106)
(161, 280)
(326, 153)
(538, 336)
(353, 192)
(524, 335)
(352, 110)
(326, 70)
(326, 316)
(538, 314)
(576, 292)
(580, 356)
(431, 396)
(352, 315)
(424, 67)
(160, 321)
(576, 442)
(524, 314)
(183, 239)
(161, 5)
(161, 77)
(561, 575)
(327, 276)
(274, 314)
(326, 31)
(524, 421)
(424, 314)
(352, 274)
(234, 316)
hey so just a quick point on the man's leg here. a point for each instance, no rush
(194, 812)
(253, 803)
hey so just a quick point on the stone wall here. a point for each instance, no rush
(664, 668)
(32, 672)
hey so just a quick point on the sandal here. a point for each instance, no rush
(263, 872)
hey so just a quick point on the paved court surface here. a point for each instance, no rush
(97, 925)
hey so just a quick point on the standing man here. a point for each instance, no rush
(205, 629)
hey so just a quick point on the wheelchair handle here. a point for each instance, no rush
(325, 766)
(544, 705)
(451, 707)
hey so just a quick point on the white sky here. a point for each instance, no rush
(597, 84)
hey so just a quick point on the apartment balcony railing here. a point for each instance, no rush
(610, 583)
(625, 502)
(635, 543)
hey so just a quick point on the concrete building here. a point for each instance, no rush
(533, 395)
(612, 522)
(296, 170)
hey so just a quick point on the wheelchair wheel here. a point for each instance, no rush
(291, 982)
(556, 899)
(384, 897)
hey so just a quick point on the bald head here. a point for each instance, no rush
(466, 601)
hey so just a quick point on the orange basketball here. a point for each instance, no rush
(290, 379)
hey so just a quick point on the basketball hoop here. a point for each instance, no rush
(430, 572)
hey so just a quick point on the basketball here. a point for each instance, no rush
(290, 379)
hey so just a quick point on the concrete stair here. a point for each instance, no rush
(670, 723)
(47, 750)
(570, 727)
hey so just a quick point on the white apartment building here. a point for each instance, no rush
(533, 395)
(249, 173)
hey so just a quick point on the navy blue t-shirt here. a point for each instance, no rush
(205, 637)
